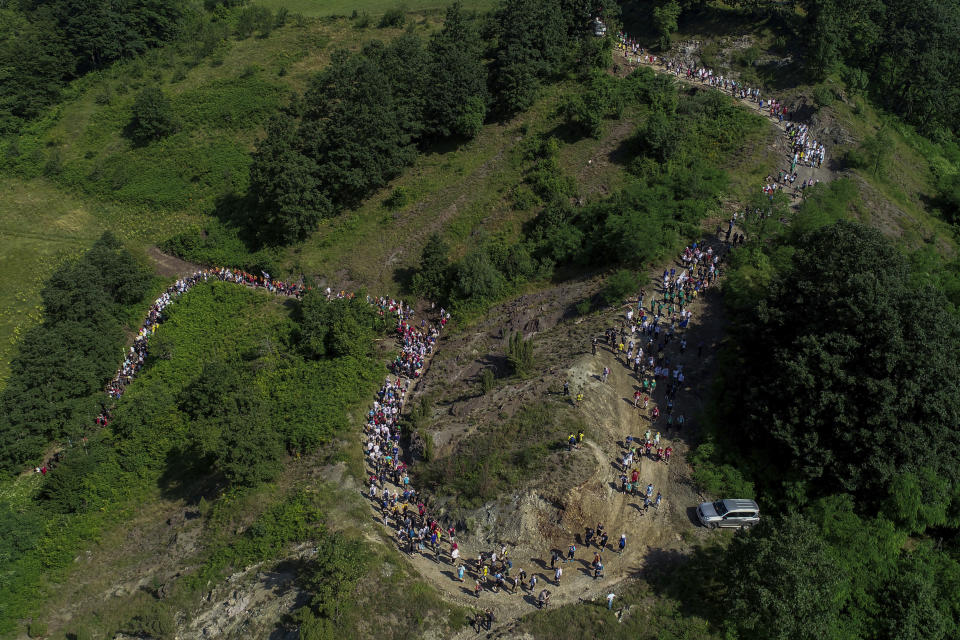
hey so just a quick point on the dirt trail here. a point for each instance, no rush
(821, 173)
(170, 266)
(610, 414)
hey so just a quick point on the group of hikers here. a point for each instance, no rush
(416, 344)
(137, 353)
(805, 150)
(650, 340)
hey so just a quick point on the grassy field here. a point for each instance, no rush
(72, 174)
(39, 227)
(373, 7)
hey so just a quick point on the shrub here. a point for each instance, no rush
(395, 17)
(255, 18)
(398, 198)
(487, 380)
(362, 21)
(620, 285)
(430, 282)
(37, 629)
(104, 97)
(520, 355)
(823, 96)
(152, 116)
(524, 198)
(152, 621)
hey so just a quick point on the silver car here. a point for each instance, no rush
(729, 513)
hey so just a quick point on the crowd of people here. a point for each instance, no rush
(805, 150)
(649, 342)
(416, 345)
(137, 353)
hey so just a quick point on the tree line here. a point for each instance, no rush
(366, 116)
(57, 377)
(904, 54)
(841, 411)
(44, 44)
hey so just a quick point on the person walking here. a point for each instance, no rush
(610, 597)
(622, 544)
(557, 574)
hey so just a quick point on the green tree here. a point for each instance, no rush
(152, 116)
(658, 137)
(285, 184)
(620, 285)
(338, 565)
(336, 328)
(250, 450)
(431, 281)
(587, 111)
(477, 279)
(457, 95)
(877, 149)
(531, 38)
(665, 17)
(121, 277)
(781, 582)
(846, 371)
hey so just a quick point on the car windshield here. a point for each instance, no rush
(719, 508)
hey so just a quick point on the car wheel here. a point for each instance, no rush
(712, 525)
(748, 526)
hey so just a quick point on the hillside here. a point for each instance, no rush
(268, 181)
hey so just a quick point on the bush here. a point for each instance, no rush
(363, 20)
(255, 18)
(153, 117)
(395, 17)
(823, 96)
(37, 629)
(619, 286)
(81, 633)
(152, 621)
(430, 282)
(524, 198)
(398, 198)
(487, 380)
(520, 355)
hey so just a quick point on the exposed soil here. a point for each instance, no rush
(170, 266)
(579, 489)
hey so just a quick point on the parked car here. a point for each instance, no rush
(729, 513)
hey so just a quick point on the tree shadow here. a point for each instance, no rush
(186, 476)
(692, 579)
(567, 133)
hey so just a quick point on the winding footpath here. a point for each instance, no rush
(475, 577)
